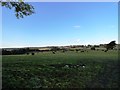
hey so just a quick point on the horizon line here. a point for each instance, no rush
(48, 46)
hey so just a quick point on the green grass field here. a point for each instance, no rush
(64, 70)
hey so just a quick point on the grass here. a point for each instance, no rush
(44, 70)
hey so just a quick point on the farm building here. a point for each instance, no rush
(44, 49)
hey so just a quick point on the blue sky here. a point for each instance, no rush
(61, 24)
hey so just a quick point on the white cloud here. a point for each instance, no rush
(112, 26)
(74, 41)
(78, 40)
(76, 26)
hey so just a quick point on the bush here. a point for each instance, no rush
(27, 53)
(92, 48)
(33, 53)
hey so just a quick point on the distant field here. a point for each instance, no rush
(62, 70)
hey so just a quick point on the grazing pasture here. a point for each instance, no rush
(91, 69)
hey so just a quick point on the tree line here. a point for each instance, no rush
(108, 46)
(17, 51)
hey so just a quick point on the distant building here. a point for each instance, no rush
(44, 49)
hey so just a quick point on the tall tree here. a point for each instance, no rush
(111, 45)
(21, 8)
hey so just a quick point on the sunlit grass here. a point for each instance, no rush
(61, 70)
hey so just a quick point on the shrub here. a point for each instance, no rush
(33, 53)
(92, 48)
